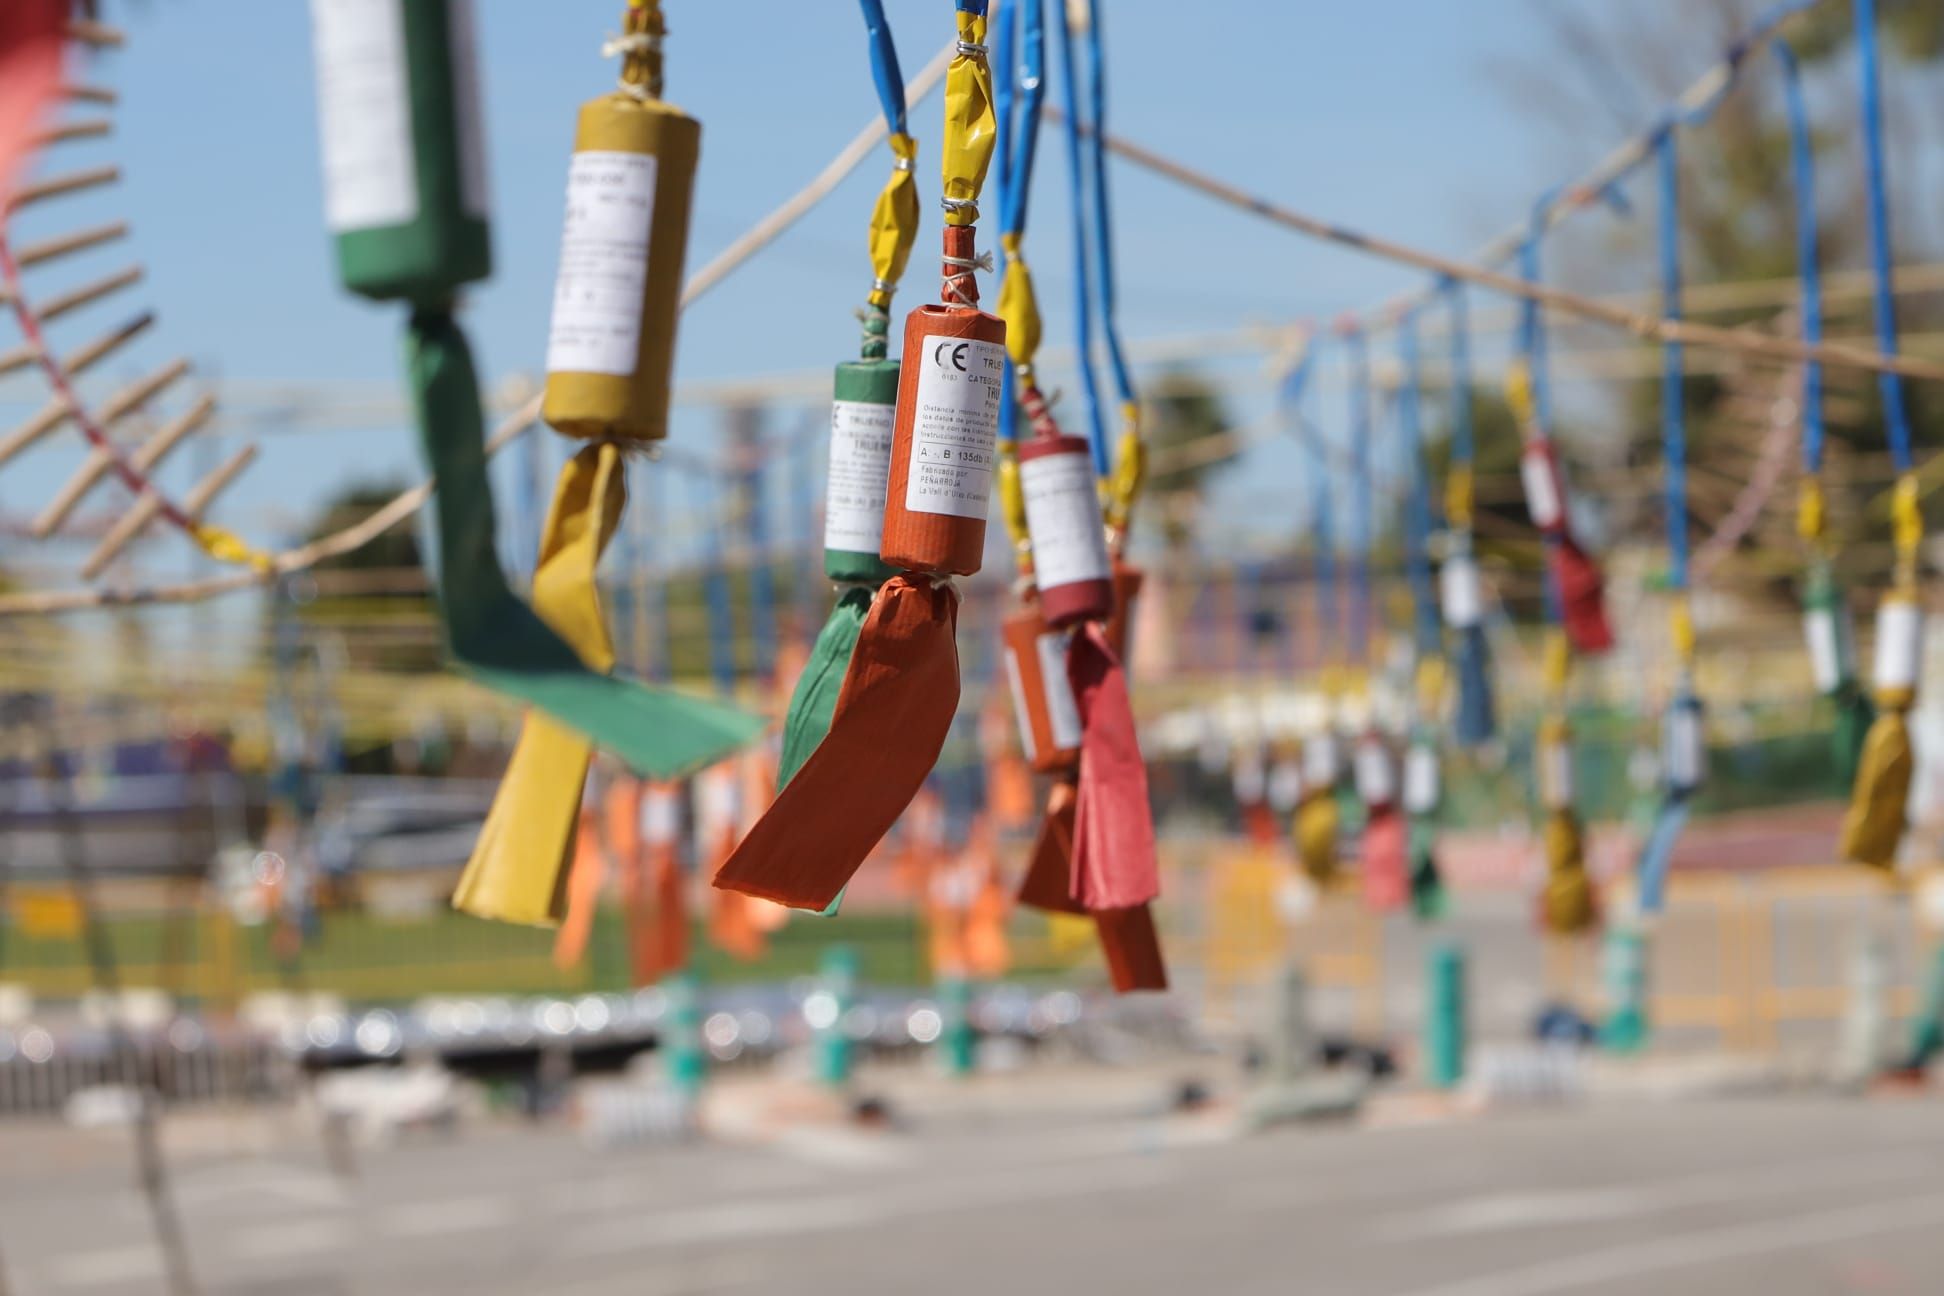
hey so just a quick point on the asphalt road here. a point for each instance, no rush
(1782, 1197)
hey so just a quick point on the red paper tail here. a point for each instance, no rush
(1386, 861)
(32, 40)
(1114, 863)
(1133, 949)
(892, 716)
(1048, 884)
(1582, 597)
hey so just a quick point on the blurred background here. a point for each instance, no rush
(246, 1044)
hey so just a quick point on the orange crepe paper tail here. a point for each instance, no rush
(892, 717)
(1114, 861)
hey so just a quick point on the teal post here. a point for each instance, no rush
(1624, 968)
(688, 1065)
(838, 990)
(1444, 1017)
(1927, 1030)
(955, 1028)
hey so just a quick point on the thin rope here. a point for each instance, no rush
(1673, 362)
(1876, 173)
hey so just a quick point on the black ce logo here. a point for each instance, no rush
(958, 355)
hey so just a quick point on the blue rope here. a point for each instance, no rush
(1424, 597)
(1532, 336)
(1802, 162)
(1463, 450)
(1896, 414)
(884, 65)
(1673, 362)
(1018, 99)
(1076, 177)
(722, 617)
(762, 583)
(1103, 225)
(1017, 142)
(1322, 509)
(1005, 72)
(1363, 535)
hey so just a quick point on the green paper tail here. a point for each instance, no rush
(1854, 716)
(815, 698)
(499, 640)
(1428, 899)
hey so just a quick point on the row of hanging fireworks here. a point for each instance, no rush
(918, 444)
(913, 462)
(1872, 747)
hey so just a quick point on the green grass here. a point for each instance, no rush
(363, 957)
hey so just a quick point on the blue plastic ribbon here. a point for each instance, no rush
(1802, 163)
(1876, 175)
(1363, 534)
(884, 66)
(1076, 184)
(1673, 363)
(1421, 517)
(1103, 242)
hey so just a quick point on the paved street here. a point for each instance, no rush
(1782, 1197)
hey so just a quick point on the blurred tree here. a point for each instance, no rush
(1605, 72)
(1184, 415)
(377, 597)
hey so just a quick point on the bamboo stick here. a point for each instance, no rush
(67, 132)
(63, 245)
(56, 411)
(89, 94)
(149, 507)
(97, 34)
(73, 182)
(146, 456)
(55, 307)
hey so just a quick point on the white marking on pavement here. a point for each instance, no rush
(300, 1237)
(454, 1215)
(752, 1219)
(1764, 1237)
(264, 1187)
(1550, 1207)
(99, 1268)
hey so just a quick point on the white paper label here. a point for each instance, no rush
(660, 816)
(1063, 519)
(1899, 643)
(860, 460)
(954, 424)
(1825, 648)
(1376, 780)
(1556, 776)
(1683, 750)
(1061, 708)
(603, 275)
(718, 802)
(1541, 488)
(1285, 786)
(1020, 713)
(1248, 780)
(1421, 781)
(364, 110)
(1320, 762)
(468, 107)
(1464, 605)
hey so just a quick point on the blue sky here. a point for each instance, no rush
(1387, 116)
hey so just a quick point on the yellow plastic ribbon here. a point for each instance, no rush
(226, 546)
(1680, 631)
(1518, 393)
(519, 866)
(1906, 527)
(1812, 513)
(1019, 307)
(894, 222)
(1012, 506)
(1130, 470)
(1566, 901)
(970, 125)
(1459, 493)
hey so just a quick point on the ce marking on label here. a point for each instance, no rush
(958, 355)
